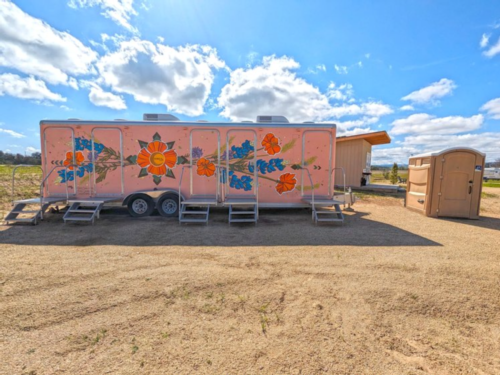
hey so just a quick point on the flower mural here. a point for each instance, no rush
(286, 183)
(205, 167)
(84, 166)
(157, 158)
(245, 160)
(271, 144)
(79, 158)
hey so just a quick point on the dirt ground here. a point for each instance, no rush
(390, 292)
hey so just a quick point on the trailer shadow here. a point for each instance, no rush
(486, 222)
(275, 228)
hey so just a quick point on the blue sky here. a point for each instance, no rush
(428, 72)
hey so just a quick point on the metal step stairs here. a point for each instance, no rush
(242, 209)
(196, 210)
(26, 213)
(83, 211)
(321, 212)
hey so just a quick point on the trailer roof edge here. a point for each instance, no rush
(191, 123)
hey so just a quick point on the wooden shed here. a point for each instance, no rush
(447, 183)
(354, 154)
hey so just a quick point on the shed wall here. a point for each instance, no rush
(351, 155)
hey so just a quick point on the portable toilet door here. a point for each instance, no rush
(459, 175)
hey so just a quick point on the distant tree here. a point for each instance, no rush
(394, 174)
(386, 174)
(8, 158)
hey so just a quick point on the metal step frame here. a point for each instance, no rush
(319, 205)
(83, 211)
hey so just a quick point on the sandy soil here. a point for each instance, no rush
(390, 292)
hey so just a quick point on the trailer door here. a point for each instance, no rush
(105, 161)
(59, 156)
(204, 148)
(317, 149)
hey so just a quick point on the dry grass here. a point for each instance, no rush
(390, 292)
(27, 185)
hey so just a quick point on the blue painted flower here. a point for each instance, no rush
(98, 147)
(244, 150)
(197, 152)
(66, 175)
(243, 183)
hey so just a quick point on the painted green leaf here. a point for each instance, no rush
(288, 146)
(170, 173)
(156, 137)
(143, 172)
(132, 159)
(296, 166)
(170, 145)
(101, 177)
(308, 187)
(84, 179)
(157, 180)
(311, 160)
(143, 144)
(182, 160)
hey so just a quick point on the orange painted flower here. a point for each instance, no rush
(156, 158)
(205, 167)
(271, 144)
(79, 158)
(287, 183)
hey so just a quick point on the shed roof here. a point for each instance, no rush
(375, 138)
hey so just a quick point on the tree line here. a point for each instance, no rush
(15, 159)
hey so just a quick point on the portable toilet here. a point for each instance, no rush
(446, 183)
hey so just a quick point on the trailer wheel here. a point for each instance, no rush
(168, 205)
(141, 205)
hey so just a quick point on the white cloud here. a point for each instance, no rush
(26, 88)
(101, 98)
(492, 108)
(352, 125)
(30, 150)
(341, 69)
(119, 11)
(493, 50)
(422, 123)
(180, 78)
(488, 143)
(485, 38)
(342, 92)
(407, 108)
(12, 133)
(33, 47)
(400, 155)
(431, 93)
(273, 88)
(318, 68)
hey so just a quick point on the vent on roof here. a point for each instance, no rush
(202, 121)
(308, 122)
(121, 119)
(247, 121)
(159, 117)
(272, 119)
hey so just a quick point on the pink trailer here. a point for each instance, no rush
(184, 168)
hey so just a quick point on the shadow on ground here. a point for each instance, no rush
(275, 228)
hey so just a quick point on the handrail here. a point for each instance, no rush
(343, 176)
(42, 184)
(14, 175)
(180, 183)
(312, 189)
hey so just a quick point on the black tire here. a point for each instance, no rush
(168, 205)
(141, 205)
